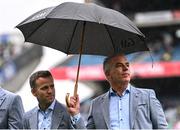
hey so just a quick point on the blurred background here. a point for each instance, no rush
(158, 69)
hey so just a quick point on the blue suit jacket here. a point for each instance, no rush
(11, 110)
(145, 111)
(60, 118)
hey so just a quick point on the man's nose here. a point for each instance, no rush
(125, 67)
(50, 90)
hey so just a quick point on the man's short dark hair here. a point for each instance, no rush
(38, 74)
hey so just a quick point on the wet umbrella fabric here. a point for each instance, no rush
(106, 31)
(76, 28)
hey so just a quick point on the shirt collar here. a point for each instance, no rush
(113, 93)
(51, 107)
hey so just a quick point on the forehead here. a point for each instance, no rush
(44, 80)
(119, 59)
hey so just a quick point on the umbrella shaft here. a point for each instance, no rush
(80, 54)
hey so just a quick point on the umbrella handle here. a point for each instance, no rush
(67, 99)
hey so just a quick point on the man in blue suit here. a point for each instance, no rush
(11, 110)
(123, 106)
(49, 114)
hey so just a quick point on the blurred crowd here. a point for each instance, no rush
(10, 48)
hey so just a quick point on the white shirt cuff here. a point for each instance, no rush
(75, 118)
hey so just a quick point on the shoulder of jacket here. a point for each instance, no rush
(146, 90)
(101, 97)
(31, 112)
(58, 104)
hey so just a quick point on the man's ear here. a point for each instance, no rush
(33, 91)
(107, 74)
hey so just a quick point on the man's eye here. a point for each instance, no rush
(52, 86)
(118, 65)
(44, 88)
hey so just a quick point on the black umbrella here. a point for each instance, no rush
(75, 28)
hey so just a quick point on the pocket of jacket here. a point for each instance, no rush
(2, 112)
(142, 110)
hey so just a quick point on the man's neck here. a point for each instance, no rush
(119, 88)
(43, 107)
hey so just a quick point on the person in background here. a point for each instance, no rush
(11, 110)
(49, 114)
(123, 106)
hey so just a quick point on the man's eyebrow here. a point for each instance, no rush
(44, 85)
(122, 62)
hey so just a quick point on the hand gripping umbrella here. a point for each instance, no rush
(76, 28)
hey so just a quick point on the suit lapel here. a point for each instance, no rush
(57, 116)
(134, 98)
(105, 109)
(33, 120)
(2, 96)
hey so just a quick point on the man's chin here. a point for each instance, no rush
(127, 79)
(51, 100)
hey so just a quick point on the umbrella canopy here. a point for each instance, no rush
(75, 28)
(106, 31)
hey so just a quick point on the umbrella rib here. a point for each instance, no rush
(37, 28)
(110, 36)
(72, 36)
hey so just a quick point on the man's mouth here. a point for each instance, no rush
(125, 74)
